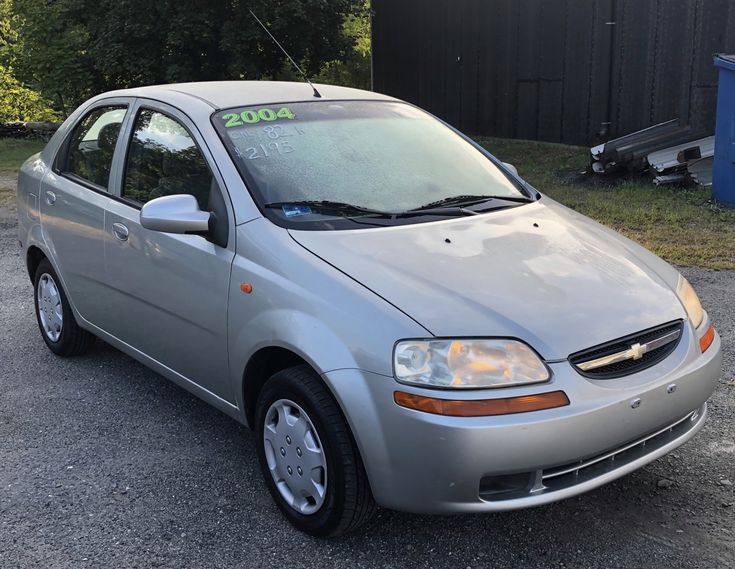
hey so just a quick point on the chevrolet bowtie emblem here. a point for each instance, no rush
(635, 352)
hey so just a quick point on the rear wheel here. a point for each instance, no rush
(308, 457)
(55, 319)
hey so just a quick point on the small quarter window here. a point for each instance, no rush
(164, 160)
(92, 145)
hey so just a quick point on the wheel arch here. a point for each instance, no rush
(261, 366)
(34, 256)
(35, 253)
(287, 338)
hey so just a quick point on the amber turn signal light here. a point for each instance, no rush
(247, 288)
(482, 407)
(706, 341)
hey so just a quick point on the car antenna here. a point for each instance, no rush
(267, 31)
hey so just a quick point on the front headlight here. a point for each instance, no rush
(467, 364)
(690, 300)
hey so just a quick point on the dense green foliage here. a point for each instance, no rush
(72, 49)
(18, 103)
(355, 68)
(9, 43)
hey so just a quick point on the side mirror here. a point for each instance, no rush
(175, 214)
(511, 168)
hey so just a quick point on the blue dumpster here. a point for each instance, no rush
(723, 174)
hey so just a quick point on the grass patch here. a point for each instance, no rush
(13, 152)
(679, 224)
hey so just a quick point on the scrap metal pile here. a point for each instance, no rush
(672, 153)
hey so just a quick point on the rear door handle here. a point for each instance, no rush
(50, 197)
(120, 231)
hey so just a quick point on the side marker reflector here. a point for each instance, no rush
(247, 288)
(706, 341)
(481, 407)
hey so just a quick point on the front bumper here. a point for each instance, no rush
(424, 463)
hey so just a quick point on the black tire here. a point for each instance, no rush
(348, 501)
(72, 341)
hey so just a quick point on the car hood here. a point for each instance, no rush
(538, 272)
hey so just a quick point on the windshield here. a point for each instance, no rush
(376, 156)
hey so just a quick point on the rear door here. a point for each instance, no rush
(74, 196)
(168, 293)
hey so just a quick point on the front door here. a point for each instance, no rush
(168, 293)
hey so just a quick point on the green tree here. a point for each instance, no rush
(9, 44)
(75, 48)
(17, 103)
(354, 67)
(54, 57)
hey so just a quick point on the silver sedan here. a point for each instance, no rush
(401, 318)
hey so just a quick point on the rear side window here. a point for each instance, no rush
(92, 145)
(164, 160)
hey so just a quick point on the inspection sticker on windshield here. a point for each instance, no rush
(295, 210)
(251, 116)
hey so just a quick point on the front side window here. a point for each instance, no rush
(92, 145)
(376, 159)
(164, 160)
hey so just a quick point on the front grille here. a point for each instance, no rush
(628, 366)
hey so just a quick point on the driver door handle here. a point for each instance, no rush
(50, 197)
(120, 231)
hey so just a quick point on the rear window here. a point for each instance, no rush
(92, 144)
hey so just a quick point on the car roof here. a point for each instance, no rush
(225, 94)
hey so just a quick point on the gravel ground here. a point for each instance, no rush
(105, 463)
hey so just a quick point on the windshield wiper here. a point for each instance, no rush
(351, 210)
(331, 206)
(455, 206)
(516, 199)
(453, 200)
(456, 211)
(468, 200)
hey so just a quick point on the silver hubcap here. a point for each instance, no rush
(295, 456)
(49, 307)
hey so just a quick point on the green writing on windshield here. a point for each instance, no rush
(252, 116)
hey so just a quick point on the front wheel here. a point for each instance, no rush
(308, 457)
